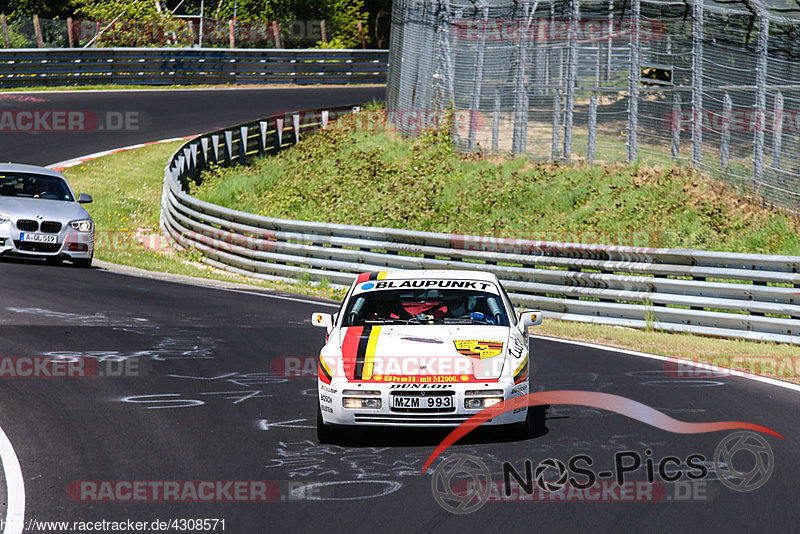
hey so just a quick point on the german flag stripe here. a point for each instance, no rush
(361, 352)
(378, 275)
(350, 344)
(324, 372)
(521, 374)
(369, 358)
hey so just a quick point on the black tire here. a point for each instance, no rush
(326, 434)
(532, 426)
(82, 263)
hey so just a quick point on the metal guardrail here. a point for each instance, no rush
(747, 296)
(168, 66)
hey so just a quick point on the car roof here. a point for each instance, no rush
(32, 169)
(453, 274)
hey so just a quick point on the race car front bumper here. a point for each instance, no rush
(415, 405)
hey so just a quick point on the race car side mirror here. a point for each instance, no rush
(529, 318)
(83, 198)
(324, 320)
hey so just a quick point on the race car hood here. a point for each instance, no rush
(388, 353)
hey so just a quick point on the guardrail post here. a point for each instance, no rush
(572, 75)
(215, 145)
(204, 150)
(777, 131)
(195, 160)
(634, 75)
(725, 135)
(697, 82)
(761, 101)
(676, 124)
(243, 130)
(278, 134)
(228, 147)
(262, 128)
(325, 116)
(296, 127)
(592, 127)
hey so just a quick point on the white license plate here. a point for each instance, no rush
(416, 402)
(39, 238)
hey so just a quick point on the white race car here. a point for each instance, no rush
(422, 349)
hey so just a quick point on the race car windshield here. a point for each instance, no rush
(34, 186)
(425, 306)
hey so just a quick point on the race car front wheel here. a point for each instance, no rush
(326, 434)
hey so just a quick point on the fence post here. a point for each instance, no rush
(70, 33)
(477, 82)
(592, 127)
(697, 82)
(676, 124)
(231, 34)
(38, 29)
(276, 33)
(556, 125)
(572, 74)
(361, 35)
(725, 136)
(761, 101)
(496, 121)
(519, 141)
(634, 74)
(324, 30)
(610, 38)
(777, 131)
(5, 30)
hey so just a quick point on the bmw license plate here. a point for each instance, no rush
(410, 402)
(39, 238)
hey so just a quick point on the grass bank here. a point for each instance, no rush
(375, 177)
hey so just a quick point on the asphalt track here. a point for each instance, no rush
(206, 404)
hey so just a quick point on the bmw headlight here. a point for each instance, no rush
(85, 225)
(4, 218)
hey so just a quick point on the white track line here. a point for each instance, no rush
(700, 365)
(61, 165)
(15, 485)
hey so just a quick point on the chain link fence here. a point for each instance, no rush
(714, 84)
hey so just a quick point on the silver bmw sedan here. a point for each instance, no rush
(41, 217)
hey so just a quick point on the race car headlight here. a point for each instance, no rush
(361, 402)
(85, 225)
(478, 403)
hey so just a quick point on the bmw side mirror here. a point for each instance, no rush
(324, 320)
(83, 198)
(529, 318)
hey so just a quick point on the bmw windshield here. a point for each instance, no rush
(22, 185)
